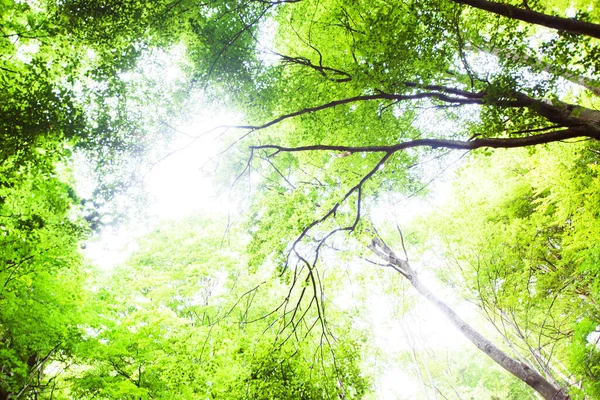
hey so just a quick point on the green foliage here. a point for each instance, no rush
(522, 239)
(75, 78)
(585, 357)
(185, 319)
(41, 283)
(90, 77)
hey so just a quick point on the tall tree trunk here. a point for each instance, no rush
(582, 81)
(537, 18)
(563, 114)
(527, 60)
(520, 370)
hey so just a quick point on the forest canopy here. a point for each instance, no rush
(342, 115)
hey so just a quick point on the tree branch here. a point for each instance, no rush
(533, 17)
(466, 98)
(323, 71)
(495, 143)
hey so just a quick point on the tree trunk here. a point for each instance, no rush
(564, 114)
(537, 18)
(528, 375)
(522, 371)
(584, 82)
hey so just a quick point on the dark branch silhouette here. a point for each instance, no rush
(533, 17)
(495, 143)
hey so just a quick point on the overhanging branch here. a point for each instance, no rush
(533, 17)
(494, 143)
(434, 92)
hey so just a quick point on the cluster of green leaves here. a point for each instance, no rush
(40, 278)
(41, 292)
(184, 318)
(45, 73)
(55, 99)
(95, 78)
(585, 356)
(528, 54)
(522, 231)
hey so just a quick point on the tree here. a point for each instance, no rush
(523, 244)
(361, 93)
(522, 371)
(533, 17)
(344, 116)
(40, 280)
(184, 318)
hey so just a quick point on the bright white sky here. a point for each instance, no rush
(182, 183)
(178, 184)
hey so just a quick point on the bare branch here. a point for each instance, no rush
(402, 241)
(323, 71)
(495, 143)
(440, 94)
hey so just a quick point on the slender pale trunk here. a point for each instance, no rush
(520, 370)
(524, 59)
